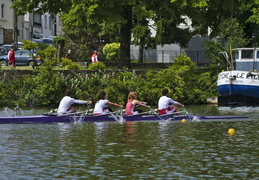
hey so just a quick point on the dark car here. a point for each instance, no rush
(3, 51)
(22, 58)
(43, 40)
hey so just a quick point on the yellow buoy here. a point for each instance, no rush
(231, 131)
(183, 120)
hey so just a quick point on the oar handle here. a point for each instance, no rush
(88, 107)
(156, 114)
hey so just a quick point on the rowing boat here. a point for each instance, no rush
(50, 118)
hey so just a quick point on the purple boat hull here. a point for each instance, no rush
(91, 118)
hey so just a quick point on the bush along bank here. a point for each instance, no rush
(46, 86)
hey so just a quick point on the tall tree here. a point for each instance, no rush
(245, 12)
(95, 18)
(91, 18)
(164, 18)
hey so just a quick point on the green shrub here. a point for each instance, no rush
(112, 52)
(65, 61)
(97, 66)
(72, 66)
(47, 87)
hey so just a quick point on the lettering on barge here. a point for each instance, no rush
(236, 75)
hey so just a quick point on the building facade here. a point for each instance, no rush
(15, 28)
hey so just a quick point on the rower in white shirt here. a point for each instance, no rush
(167, 105)
(65, 104)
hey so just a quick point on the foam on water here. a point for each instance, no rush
(13, 112)
(196, 118)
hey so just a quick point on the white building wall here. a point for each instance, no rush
(48, 23)
(6, 20)
(6, 14)
(24, 24)
(1, 36)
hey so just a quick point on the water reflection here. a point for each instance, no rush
(134, 150)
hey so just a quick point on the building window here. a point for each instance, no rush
(45, 21)
(59, 21)
(50, 22)
(27, 17)
(37, 19)
(2, 11)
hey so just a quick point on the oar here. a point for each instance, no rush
(87, 110)
(157, 114)
(82, 116)
(187, 113)
(121, 119)
(115, 116)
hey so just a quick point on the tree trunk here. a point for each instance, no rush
(60, 47)
(143, 41)
(141, 51)
(125, 39)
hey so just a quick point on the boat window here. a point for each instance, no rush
(257, 54)
(236, 55)
(247, 54)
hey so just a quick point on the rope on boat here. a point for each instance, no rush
(205, 87)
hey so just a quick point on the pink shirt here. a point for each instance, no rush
(130, 108)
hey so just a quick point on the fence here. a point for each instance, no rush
(168, 56)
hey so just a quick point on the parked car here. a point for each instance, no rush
(47, 40)
(43, 40)
(22, 58)
(37, 36)
(52, 37)
(3, 51)
(7, 47)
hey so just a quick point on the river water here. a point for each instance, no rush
(134, 150)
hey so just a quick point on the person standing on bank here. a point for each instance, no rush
(99, 108)
(65, 104)
(68, 55)
(167, 105)
(11, 57)
(94, 57)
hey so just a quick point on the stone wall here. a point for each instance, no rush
(7, 76)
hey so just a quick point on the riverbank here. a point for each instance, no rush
(46, 85)
(8, 75)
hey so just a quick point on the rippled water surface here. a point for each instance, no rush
(134, 150)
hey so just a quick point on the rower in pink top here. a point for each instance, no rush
(132, 103)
